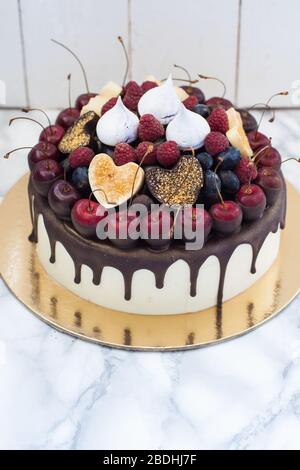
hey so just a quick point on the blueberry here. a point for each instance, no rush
(205, 160)
(108, 150)
(230, 182)
(80, 180)
(212, 183)
(65, 163)
(230, 157)
(202, 109)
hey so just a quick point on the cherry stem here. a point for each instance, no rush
(15, 150)
(69, 90)
(204, 77)
(150, 149)
(191, 82)
(289, 159)
(27, 119)
(27, 110)
(187, 73)
(120, 39)
(272, 119)
(78, 60)
(281, 93)
(106, 198)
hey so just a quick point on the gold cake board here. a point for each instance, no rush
(60, 308)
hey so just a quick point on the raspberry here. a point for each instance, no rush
(215, 143)
(124, 153)
(168, 153)
(148, 85)
(191, 102)
(246, 171)
(150, 129)
(131, 84)
(218, 120)
(108, 105)
(82, 156)
(133, 93)
(218, 101)
(141, 149)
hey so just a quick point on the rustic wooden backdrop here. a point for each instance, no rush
(253, 45)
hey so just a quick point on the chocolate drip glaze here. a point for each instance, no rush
(98, 254)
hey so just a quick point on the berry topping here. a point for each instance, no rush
(202, 110)
(150, 129)
(215, 143)
(123, 154)
(252, 200)
(168, 153)
(142, 149)
(271, 182)
(246, 170)
(85, 216)
(191, 102)
(82, 156)
(227, 216)
(61, 197)
(80, 180)
(109, 105)
(212, 183)
(194, 91)
(257, 140)
(269, 157)
(229, 159)
(205, 160)
(230, 182)
(218, 120)
(148, 85)
(52, 134)
(249, 121)
(218, 101)
(133, 93)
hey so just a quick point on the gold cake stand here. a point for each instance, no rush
(67, 312)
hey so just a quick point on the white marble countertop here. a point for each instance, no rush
(57, 392)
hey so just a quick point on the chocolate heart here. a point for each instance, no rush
(112, 185)
(80, 134)
(178, 186)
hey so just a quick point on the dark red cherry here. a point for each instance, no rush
(67, 117)
(271, 182)
(194, 219)
(257, 140)
(269, 157)
(86, 215)
(194, 91)
(119, 233)
(226, 216)
(44, 174)
(62, 197)
(157, 229)
(252, 200)
(218, 101)
(42, 151)
(52, 134)
(83, 99)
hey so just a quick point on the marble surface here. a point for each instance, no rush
(57, 392)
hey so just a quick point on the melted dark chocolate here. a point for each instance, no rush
(98, 254)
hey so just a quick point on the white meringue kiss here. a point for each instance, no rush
(117, 125)
(188, 129)
(161, 101)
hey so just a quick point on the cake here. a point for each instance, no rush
(186, 163)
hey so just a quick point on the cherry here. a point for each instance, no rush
(226, 216)
(252, 201)
(157, 229)
(44, 173)
(40, 151)
(52, 134)
(118, 229)
(257, 140)
(271, 182)
(246, 170)
(192, 219)
(61, 197)
(83, 99)
(144, 200)
(67, 117)
(82, 156)
(249, 121)
(85, 216)
(269, 157)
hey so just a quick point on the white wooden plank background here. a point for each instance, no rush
(199, 34)
(11, 67)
